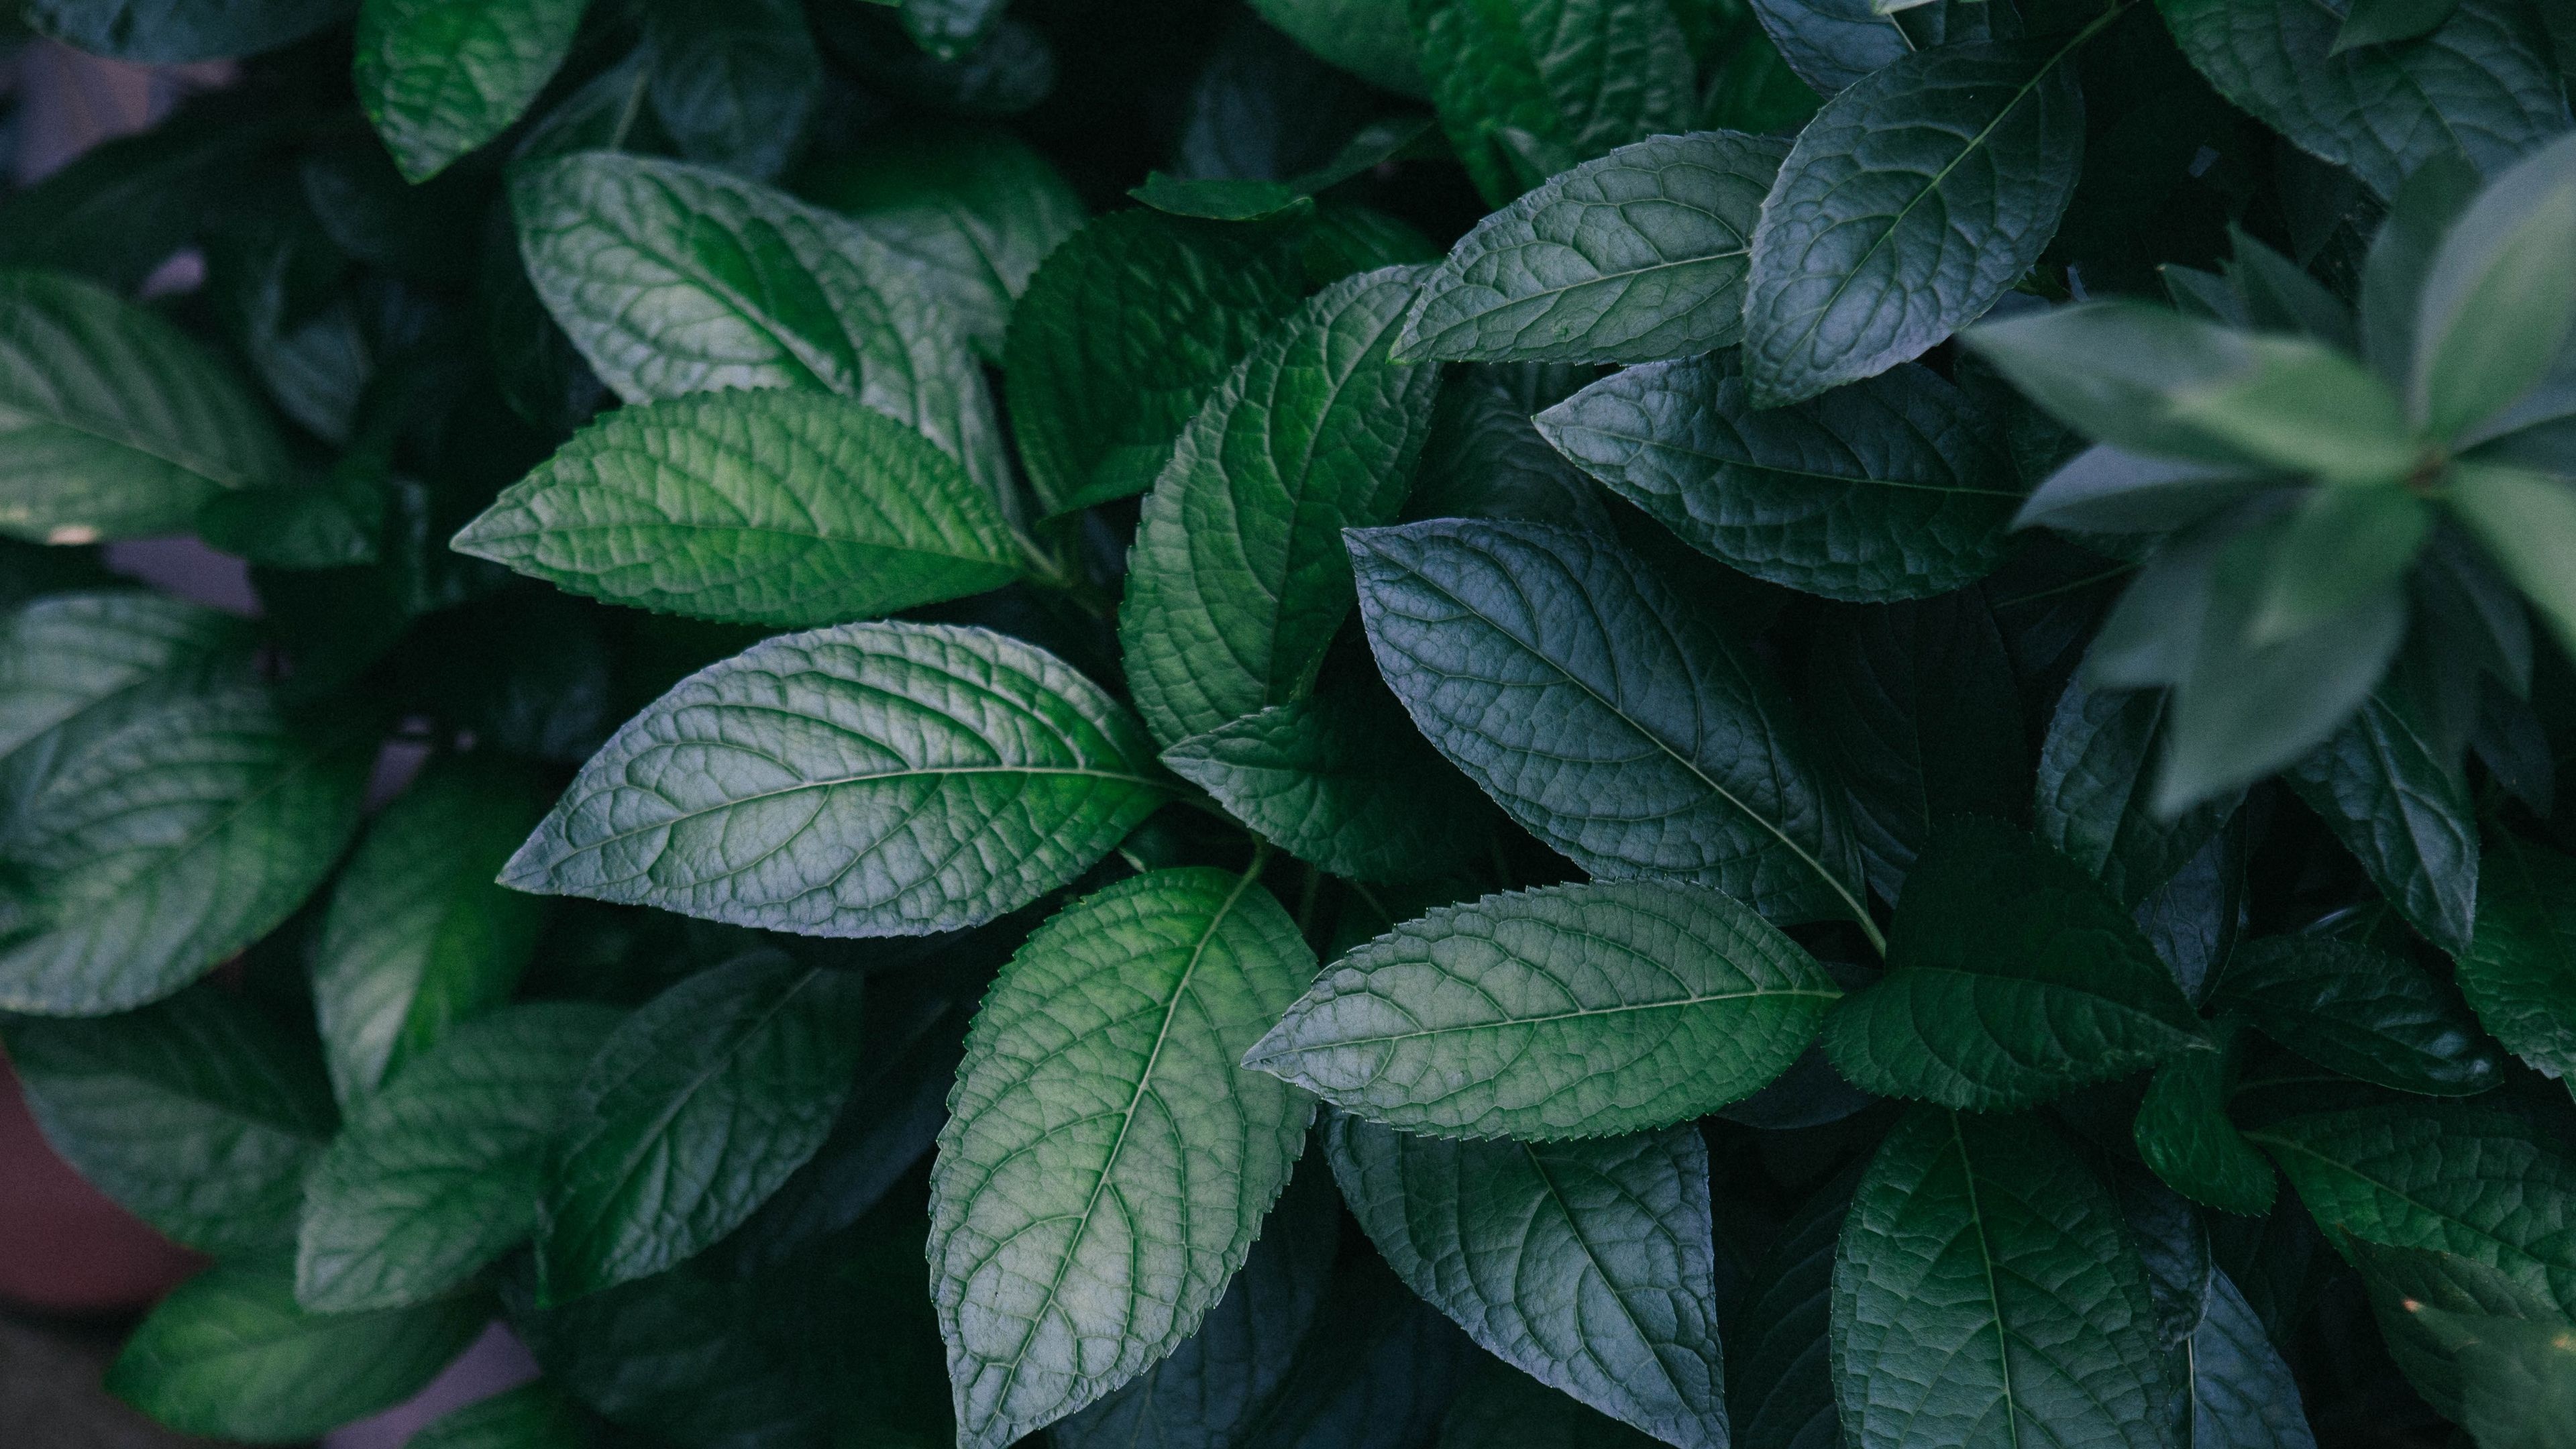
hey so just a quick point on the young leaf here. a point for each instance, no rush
(2183, 1132)
(113, 423)
(1586, 1265)
(2525, 519)
(761, 507)
(2012, 977)
(531, 1416)
(1886, 489)
(1613, 723)
(1909, 204)
(199, 1114)
(1502, 1408)
(1985, 1292)
(2520, 970)
(690, 1115)
(2092, 804)
(1342, 780)
(419, 936)
(75, 662)
(734, 81)
(1637, 256)
(1238, 578)
(1527, 90)
(2401, 258)
(2400, 803)
(1570, 1011)
(230, 1355)
(158, 847)
(1780, 1380)
(868, 780)
(1122, 333)
(438, 1174)
(439, 78)
(167, 32)
(2361, 1012)
(2495, 311)
(1106, 1164)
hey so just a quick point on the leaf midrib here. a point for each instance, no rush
(1516, 1022)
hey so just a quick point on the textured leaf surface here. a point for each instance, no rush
(1106, 1163)
(2183, 1131)
(113, 423)
(691, 1115)
(869, 780)
(1908, 205)
(419, 936)
(2243, 1395)
(1985, 1295)
(2520, 972)
(1602, 714)
(764, 507)
(439, 77)
(1528, 89)
(1570, 1011)
(1889, 488)
(2386, 787)
(1122, 332)
(2012, 976)
(1586, 1265)
(438, 1174)
(74, 657)
(1239, 578)
(199, 1115)
(2095, 791)
(2362, 1012)
(1637, 256)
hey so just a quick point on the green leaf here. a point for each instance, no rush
(2497, 301)
(866, 780)
(162, 845)
(200, 1115)
(976, 206)
(75, 662)
(293, 527)
(1569, 1011)
(2092, 803)
(1586, 1265)
(2243, 1395)
(734, 81)
(1832, 43)
(2404, 1283)
(439, 78)
(2520, 970)
(2399, 801)
(419, 937)
(1238, 579)
(1986, 1294)
(691, 1115)
(532, 1416)
(674, 279)
(1343, 781)
(2183, 1132)
(230, 1355)
(950, 29)
(2454, 1177)
(1368, 38)
(437, 1175)
(1886, 489)
(2401, 259)
(2526, 520)
(1484, 458)
(762, 507)
(2481, 83)
(165, 32)
(2362, 1012)
(1123, 330)
(113, 423)
(1106, 1164)
(1246, 198)
(1602, 714)
(1780, 1379)
(2342, 546)
(1528, 89)
(2519, 1383)
(2384, 22)
(1503, 1408)
(1906, 208)
(2012, 977)
(1637, 256)
(118, 210)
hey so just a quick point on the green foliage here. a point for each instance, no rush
(1874, 695)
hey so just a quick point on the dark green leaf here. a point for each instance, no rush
(2183, 1131)
(1780, 1379)
(2383, 22)
(2520, 970)
(163, 32)
(2401, 257)
(76, 662)
(1484, 458)
(2495, 308)
(1619, 727)
(2398, 800)
(2519, 1382)
(1586, 1265)
(293, 527)
(949, 29)
(439, 78)
(868, 780)
(2361, 1012)
(532, 1416)
(2243, 1395)
(1527, 90)
(1370, 39)
(1832, 43)
(120, 209)
(2092, 805)
(2402, 1283)
(1376, 1372)
(734, 81)
(1502, 1408)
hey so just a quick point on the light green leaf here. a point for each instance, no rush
(2401, 258)
(1986, 1295)
(113, 423)
(159, 846)
(1637, 256)
(1586, 1265)
(2497, 299)
(691, 1115)
(1106, 1163)
(2183, 1132)
(437, 1175)
(1527, 88)
(441, 77)
(761, 507)
(2520, 969)
(2012, 977)
(419, 936)
(2527, 522)
(2342, 545)
(1570, 1011)
(867, 780)
(200, 1115)
(76, 661)
(1122, 332)
(1886, 489)
(532, 1416)
(1238, 578)
(230, 1355)
(1603, 714)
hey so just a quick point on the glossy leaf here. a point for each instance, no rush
(438, 79)
(2362, 1012)
(2094, 799)
(2520, 970)
(1528, 89)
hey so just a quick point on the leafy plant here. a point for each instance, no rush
(1480, 723)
